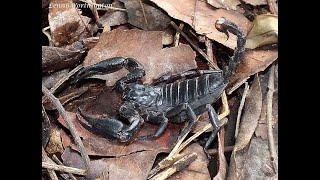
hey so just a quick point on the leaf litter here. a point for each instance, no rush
(142, 29)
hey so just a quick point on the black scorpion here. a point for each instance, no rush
(174, 98)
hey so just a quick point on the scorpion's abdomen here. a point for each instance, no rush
(190, 90)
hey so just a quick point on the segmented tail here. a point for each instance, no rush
(225, 26)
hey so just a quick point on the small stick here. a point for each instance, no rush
(193, 45)
(44, 31)
(65, 78)
(177, 35)
(164, 164)
(243, 98)
(103, 6)
(211, 57)
(176, 167)
(215, 151)
(56, 160)
(144, 13)
(69, 123)
(51, 172)
(273, 7)
(64, 168)
(273, 155)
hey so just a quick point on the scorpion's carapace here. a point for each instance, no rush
(174, 98)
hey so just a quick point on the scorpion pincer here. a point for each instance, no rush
(175, 98)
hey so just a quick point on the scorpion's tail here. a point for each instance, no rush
(226, 26)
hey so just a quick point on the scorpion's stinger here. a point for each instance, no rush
(225, 26)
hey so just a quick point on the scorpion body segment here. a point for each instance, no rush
(173, 98)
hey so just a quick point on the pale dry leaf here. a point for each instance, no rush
(144, 46)
(253, 62)
(263, 32)
(202, 17)
(225, 4)
(67, 25)
(256, 2)
(55, 144)
(197, 169)
(250, 116)
(223, 166)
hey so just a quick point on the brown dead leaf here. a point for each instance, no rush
(250, 116)
(253, 62)
(52, 79)
(197, 169)
(202, 17)
(263, 32)
(67, 25)
(225, 4)
(128, 167)
(55, 58)
(253, 162)
(146, 47)
(148, 18)
(256, 2)
(114, 18)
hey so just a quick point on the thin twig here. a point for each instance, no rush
(51, 172)
(69, 123)
(144, 13)
(65, 78)
(211, 57)
(273, 154)
(44, 31)
(64, 168)
(177, 35)
(56, 160)
(193, 45)
(103, 6)
(216, 151)
(164, 164)
(176, 167)
(273, 7)
(243, 99)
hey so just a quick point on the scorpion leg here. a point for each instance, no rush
(162, 120)
(213, 117)
(191, 114)
(187, 74)
(112, 65)
(109, 127)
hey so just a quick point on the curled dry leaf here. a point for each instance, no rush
(197, 169)
(249, 122)
(256, 2)
(148, 18)
(55, 58)
(67, 25)
(146, 47)
(253, 162)
(253, 62)
(263, 32)
(225, 4)
(202, 17)
(222, 162)
(55, 144)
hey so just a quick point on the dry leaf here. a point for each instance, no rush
(225, 4)
(202, 17)
(248, 124)
(156, 19)
(114, 18)
(253, 162)
(54, 144)
(253, 62)
(67, 25)
(55, 58)
(263, 32)
(222, 170)
(146, 47)
(197, 169)
(52, 79)
(256, 2)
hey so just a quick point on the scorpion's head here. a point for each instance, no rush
(142, 95)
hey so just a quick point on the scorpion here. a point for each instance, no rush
(175, 98)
